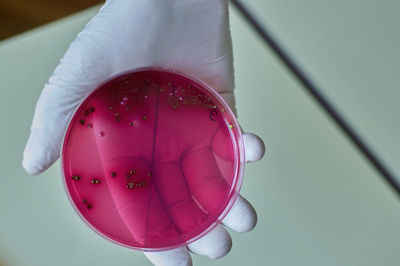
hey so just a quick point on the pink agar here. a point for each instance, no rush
(152, 159)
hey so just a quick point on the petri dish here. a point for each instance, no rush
(152, 159)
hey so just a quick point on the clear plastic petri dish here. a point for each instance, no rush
(152, 159)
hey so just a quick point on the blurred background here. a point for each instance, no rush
(22, 15)
(319, 202)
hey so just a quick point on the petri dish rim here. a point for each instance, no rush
(238, 147)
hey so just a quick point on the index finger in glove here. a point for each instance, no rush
(80, 70)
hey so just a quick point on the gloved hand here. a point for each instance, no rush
(188, 35)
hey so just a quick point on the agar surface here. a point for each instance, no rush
(158, 164)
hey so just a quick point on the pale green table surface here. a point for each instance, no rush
(318, 201)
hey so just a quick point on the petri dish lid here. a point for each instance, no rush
(152, 159)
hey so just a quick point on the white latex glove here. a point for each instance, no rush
(188, 35)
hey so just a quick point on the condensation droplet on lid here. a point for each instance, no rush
(128, 108)
(89, 125)
(132, 172)
(145, 117)
(110, 107)
(116, 114)
(76, 177)
(125, 99)
(101, 134)
(130, 124)
(146, 97)
(148, 174)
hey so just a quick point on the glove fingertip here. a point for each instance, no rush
(242, 217)
(30, 168)
(215, 244)
(254, 147)
(173, 257)
(36, 158)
